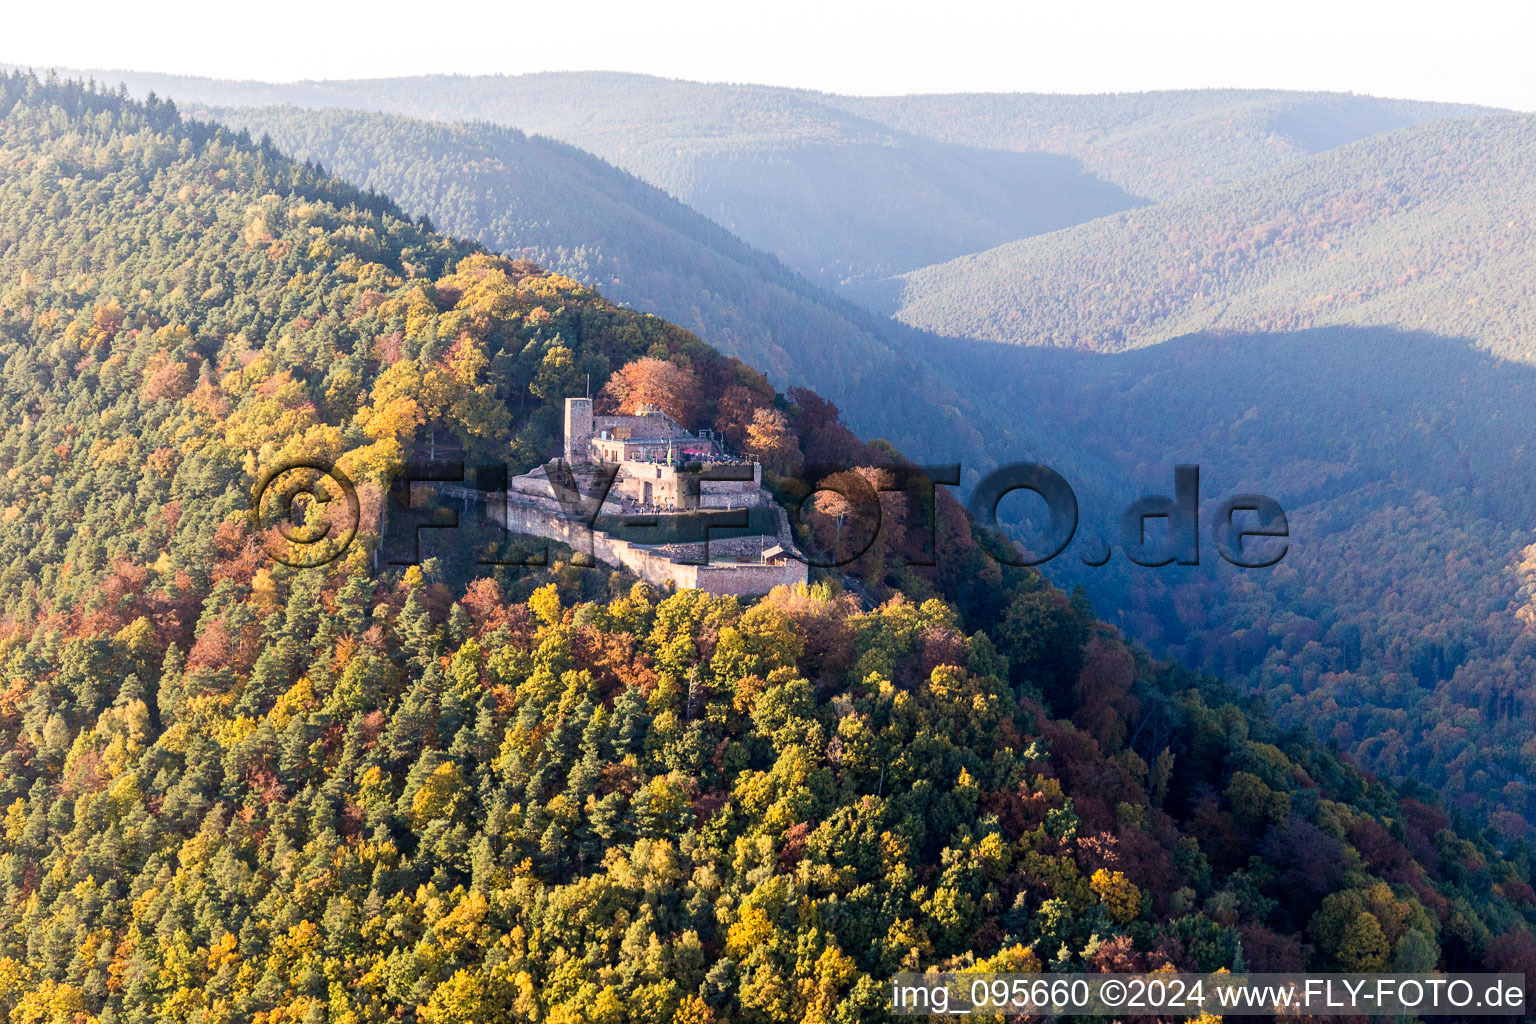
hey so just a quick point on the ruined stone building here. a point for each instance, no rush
(679, 510)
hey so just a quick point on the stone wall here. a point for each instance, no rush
(540, 517)
(743, 580)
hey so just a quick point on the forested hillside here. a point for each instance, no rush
(529, 197)
(532, 197)
(1399, 624)
(849, 190)
(837, 198)
(1157, 145)
(236, 791)
(1428, 228)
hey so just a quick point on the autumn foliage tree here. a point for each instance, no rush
(735, 410)
(653, 382)
(773, 442)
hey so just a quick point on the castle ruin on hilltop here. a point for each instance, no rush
(678, 508)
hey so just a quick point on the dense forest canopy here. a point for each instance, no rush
(237, 792)
(1398, 625)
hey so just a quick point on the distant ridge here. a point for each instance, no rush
(850, 191)
(1426, 228)
(836, 197)
(1159, 145)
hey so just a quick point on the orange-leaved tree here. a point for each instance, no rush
(657, 382)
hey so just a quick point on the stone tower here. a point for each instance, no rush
(578, 429)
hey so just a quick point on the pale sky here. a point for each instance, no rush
(1478, 51)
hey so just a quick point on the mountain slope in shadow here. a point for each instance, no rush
(1400, 622)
